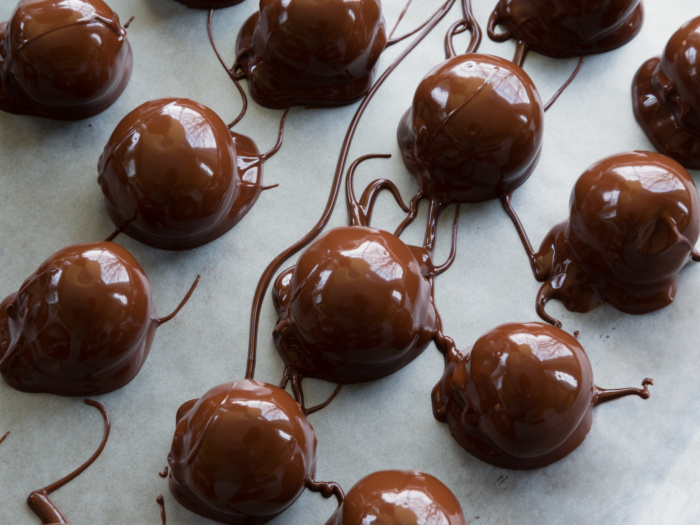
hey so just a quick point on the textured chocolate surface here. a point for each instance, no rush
(175, 177)
(666, 96)
(643, 453)
(355, 307)
(304, 52)
(61, 59)
(397, 497)
(634, 220)
(81, 324)
(474, 130)
(242, 453)
(566, 28)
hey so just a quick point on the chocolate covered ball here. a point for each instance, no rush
(81, 324)
(354, 308)
(61, 59)
(521, 399)
(474, 130)
(310, 53)
(666, 96)
(399, 497)
(568, 28)
(174, 176)
(634, 220)
(242, 453)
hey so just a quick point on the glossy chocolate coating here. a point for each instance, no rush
(310, 53)
(175, 177)
(354, 308)
(634, 220)
(62, 59)
(521, 399)
(666, 97)
(568, 28)
(474, 130)
(209, 4)
(399, 497)
(242, 453)
(81, 324)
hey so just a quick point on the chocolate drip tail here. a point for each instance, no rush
(167, 318)
(468, 23)
(565, 85)
(326, 489)
(4, 436)
(164, 474)
(603, 395)
(296, 380)
(275, 264)
(537, 269)
(39, 500)
(161, 503)
(231, 72)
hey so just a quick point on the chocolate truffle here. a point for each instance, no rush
(354, 308)
(633, 223)
(62, 60)
(174, 176)
(474, 130)
(399, 497)
(209, 4)
(310, 53)
(81, 324)
(242, 453)
(666, 97)
(567, 28)
(523, 396)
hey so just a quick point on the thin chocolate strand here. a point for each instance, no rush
(167, 318)
(272, 268)
(603, 395)
(565, 85)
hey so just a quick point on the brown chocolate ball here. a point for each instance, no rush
(474, 130)
(354, 308)
(521, 399)
(310, 53)
(666, 96)
(242, 453)
(175, 177)
(568, 28)
(81, 324)
(399, 497)
(62, 60)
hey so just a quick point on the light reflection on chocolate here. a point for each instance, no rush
(175, 177)
(399, 497)
(522, 397)
(37, 78)
(634, 220)
(666, 96)
(81, 324)
(242, 453)
(567, 28)
(356, 307)
(310, 53)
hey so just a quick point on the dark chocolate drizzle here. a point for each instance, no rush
(39, 500)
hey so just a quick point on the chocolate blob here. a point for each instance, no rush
(666, 97)
(174, 176)
(474, 130)
(81, 324)
(61, 59)
(522, 398)
(634, 220)
(310, 53)
(354, 308)
(567, 28)
(242, 453)
(209, 4)
(399, 497)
